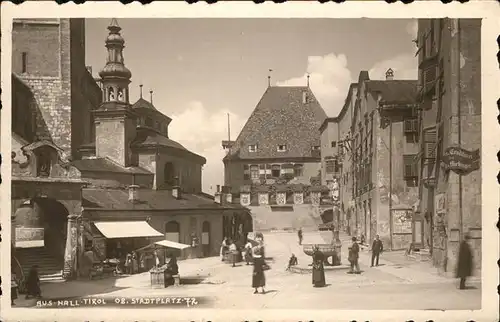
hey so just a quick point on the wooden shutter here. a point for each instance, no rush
(430, 141)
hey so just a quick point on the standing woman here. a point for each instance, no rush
(135, 263)
(258, 277)
(318, 271)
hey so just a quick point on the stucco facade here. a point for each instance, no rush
(450, 100)
(359, 142)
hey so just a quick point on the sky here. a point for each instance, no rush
(202, 69)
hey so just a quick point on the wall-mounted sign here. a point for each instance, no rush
(402, 220)
(29, 237)
(461, 161)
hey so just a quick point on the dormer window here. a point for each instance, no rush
(281, 147)
(43, 162)
(149, 122)
(252, 148)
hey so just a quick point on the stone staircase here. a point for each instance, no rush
(49, 267)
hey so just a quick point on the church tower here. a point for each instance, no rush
(115, 122)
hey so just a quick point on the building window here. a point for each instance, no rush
(410, 128)
(331, 166)
(275, 170)
(410, 166)
(24, 62)
(172, 232)
(298, 170)
(334, 144)
(315, 148)
(43, 162)
(282, 148)
(254, 172)
(430, 140)
(168, 173)
(252, 148)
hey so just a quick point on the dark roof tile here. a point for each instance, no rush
(106, 165)
(281, 117)
(148, 200)
(394, 91)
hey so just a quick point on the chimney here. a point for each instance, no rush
(176, 189)
(217, 196)
(89, 68)
(304, 97)
(227, 195)
(133, 193)
(151, 97)
(389, 74)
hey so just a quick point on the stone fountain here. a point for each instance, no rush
(332, 250)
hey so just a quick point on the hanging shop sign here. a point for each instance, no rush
(461, 161)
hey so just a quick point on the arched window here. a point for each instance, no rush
(121, 96)
(205, 233)
(172, 231)
(111, 94)
(168, 173)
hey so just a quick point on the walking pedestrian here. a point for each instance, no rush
(33, 283)
(354, 257)
(135, 263)
(258, 277)
(223, 248)
(377, 249)
(318, 270)
(248, 252)
(233, 252)
(464, 264)
(128, 264)
(13, 288)
(299, 233)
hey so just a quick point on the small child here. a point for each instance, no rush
(292, 262)
(13, 288)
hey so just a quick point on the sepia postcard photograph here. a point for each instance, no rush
(236, 162)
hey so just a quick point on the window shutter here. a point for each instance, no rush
(430, 140)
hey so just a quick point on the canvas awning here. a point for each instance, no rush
(124, 229)
(171, 244)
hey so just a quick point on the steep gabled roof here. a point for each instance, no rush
(281, 117)
(142, 103)
(394, 91)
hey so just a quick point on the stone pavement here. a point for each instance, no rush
(390, 286)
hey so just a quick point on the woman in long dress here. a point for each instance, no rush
(33, 283)
(318, 270)
(258, 277)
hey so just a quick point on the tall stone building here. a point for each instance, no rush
(449, 53)
(274, 164)
(369, 150)
(119, 186)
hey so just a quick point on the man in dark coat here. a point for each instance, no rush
(299, 234)
(377, 248)
(33, 283)
(464, 264)
(354, 257)
(318, 271)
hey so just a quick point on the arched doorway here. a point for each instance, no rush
(172, 233)
(205, 238)
(40, 228)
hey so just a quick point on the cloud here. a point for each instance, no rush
(412, 28)
(202, 132)
(329, 80)
(404, 67)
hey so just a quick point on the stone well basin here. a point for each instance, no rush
(327, 249)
